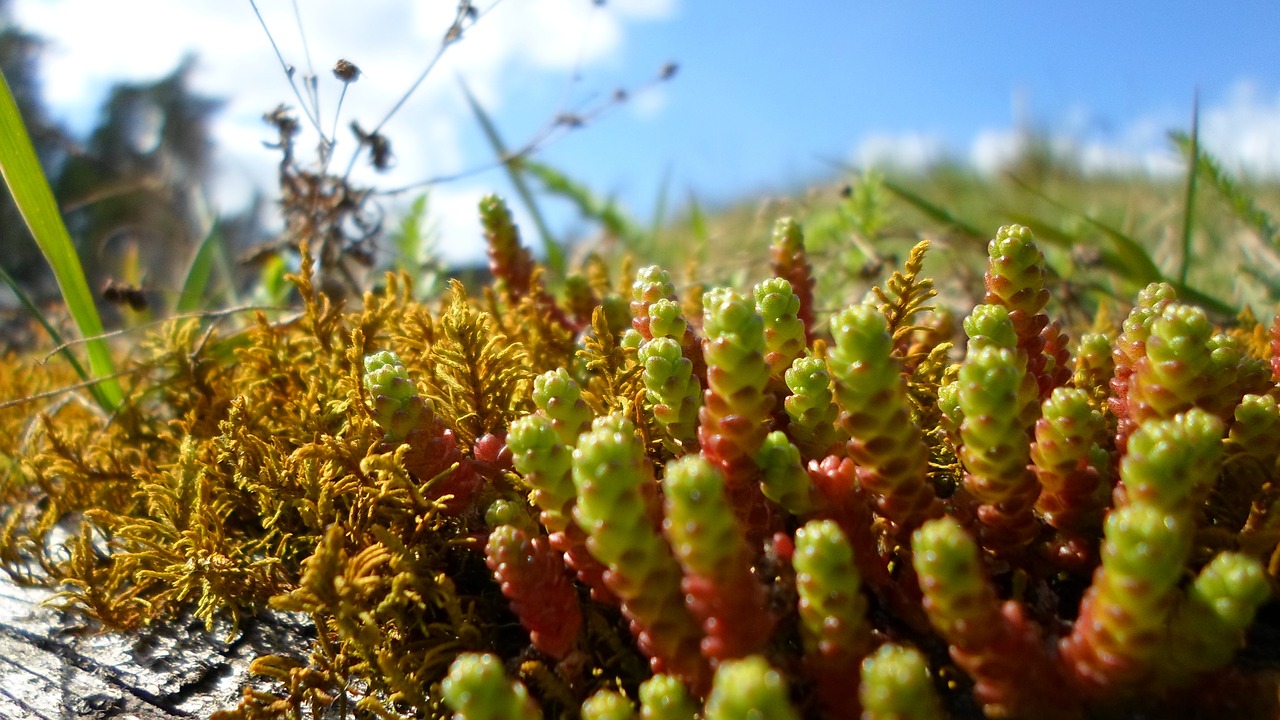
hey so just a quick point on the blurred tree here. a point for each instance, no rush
(133, 195)
(137, 193)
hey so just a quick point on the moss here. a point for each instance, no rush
(352, 464)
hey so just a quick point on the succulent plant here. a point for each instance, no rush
(671, 505)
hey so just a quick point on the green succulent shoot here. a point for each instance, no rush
(734, 418)
(883, 437)
(811, 407)
(896, 685)
(833, 610)
(1123, 623)
(558, 396)
(546, 464)
(783, 477)
(617, 508)
(673, 392)
(1171, 377)
(1016, 271)
(1064, 453)
(783, 331)
(397, 406)
(1209, 625)
(666, 320)
(748, 688)
(663, 697)
(996, 452)
(958, 598)
(476, 688)
(1170, 463)
(608, 705)
(1094, 368)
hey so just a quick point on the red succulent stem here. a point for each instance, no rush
(572, 543)
(732, 613)
(433, 450)
(511, 261)
(789, 260)
(534, 580)
(1056, 372)
(1275, 348)
(1011, 668)
(841, 499)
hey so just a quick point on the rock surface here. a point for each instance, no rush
(53, 666)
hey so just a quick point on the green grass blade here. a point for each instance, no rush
(699, 227)
(1133, 261)
(1189, 202)
(1222, 308)
(197, 283)
(936, 213)
(1050, 235)
(34, 198)
(34, 311)
(556, 260)
(659, 219)
(1270, 283)
(1141, 268)
(408, 237)
(603, 211)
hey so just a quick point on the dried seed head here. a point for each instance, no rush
(346, 71)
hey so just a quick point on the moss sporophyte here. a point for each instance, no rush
(613, 502)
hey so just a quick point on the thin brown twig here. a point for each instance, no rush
(560, 125)
(203, 315)
(288, 70)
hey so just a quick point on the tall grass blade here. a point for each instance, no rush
(414, 242)
(1270, 283)
(698, 227)
(659, 218)
(1222, 308)
(408, 237)
(32, 195)
(1241, 202)
(514, 166)
(604, 211)
(197, 282)
(1132, 260)
(1189, 202)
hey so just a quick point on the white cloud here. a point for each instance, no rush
(994, 149)
(649, 102)
(457, 228)
(912, 151)
(645, 9)
(1242, 131)
(517, 42)
(1156, 160)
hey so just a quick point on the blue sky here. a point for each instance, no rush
(768, 94)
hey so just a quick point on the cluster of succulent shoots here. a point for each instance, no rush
(608, 499)
(857, 519)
